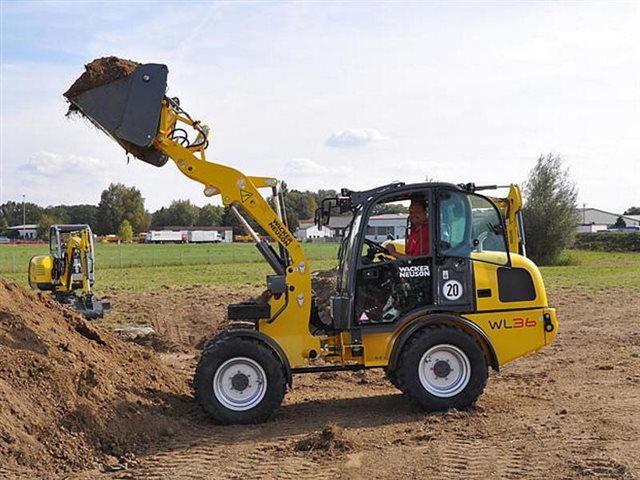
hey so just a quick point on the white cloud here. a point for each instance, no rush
(355, 137)
(305, 167)
(62, 165)
(307, 174)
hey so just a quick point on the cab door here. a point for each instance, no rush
(453, 268)
(469, 228)
(388, 288)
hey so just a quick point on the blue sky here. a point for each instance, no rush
(330, 95)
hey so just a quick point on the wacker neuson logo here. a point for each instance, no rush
(415, 271)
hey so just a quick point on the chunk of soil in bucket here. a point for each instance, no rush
(100, 72)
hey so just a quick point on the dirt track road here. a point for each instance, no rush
(570, 411)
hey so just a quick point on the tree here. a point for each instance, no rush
(210, 216)
(84, 213)
(44, 225)
(632, 211)
(299, 206)
(118, 203)
(125, 231)
(322, 194)
(13, 212)
(179, 213)
(549, 210)
(75, 214)
(383, 208)
(620, 223)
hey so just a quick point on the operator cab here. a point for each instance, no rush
(394, 265)
(65, 247)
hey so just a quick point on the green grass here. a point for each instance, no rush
(148, 267)
(15, 258)
(595, 271)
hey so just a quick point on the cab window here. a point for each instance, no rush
(470, 226)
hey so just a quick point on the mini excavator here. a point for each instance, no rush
(434, 323)
(68, 271)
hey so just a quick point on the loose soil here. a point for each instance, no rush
(569, 411)
(101, 71)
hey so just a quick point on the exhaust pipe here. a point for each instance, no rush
(124, 101)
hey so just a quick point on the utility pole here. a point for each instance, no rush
(24, 218)
(584, 213)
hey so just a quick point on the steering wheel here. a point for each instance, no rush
(376, 247)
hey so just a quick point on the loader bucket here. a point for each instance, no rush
(127, 108)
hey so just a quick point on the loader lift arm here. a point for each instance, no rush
(128, 111)
(238, 191)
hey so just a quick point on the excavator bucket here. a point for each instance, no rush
(124, 99)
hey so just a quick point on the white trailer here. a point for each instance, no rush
(226, 236)
(166, 236)
(203, 236)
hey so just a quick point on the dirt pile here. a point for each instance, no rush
(73, 397)
(101, 71)
(331, 440)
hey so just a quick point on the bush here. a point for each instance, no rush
(549, 210)
(608, 241)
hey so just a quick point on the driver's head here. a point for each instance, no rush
(418, 211)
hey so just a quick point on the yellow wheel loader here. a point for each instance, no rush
(435, 323)
(68, 271)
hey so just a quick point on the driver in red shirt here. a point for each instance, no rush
(418, 241)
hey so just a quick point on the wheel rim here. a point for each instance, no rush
(240, 384)
(444, 370)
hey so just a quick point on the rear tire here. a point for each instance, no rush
(239, 380)
(442, 367)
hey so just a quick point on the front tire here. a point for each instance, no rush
(442, 367)
(239, 380)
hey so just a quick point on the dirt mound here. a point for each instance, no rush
(101, 71)
(71, 396)
(331, 440)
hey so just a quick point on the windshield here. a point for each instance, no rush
(471, 226)
(347, 250)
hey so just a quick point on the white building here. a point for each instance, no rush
(308, 231)
(390, 226)
(592, 228)
(26, 232)
(380, 228)
(594, 216)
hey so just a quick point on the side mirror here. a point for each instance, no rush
(323, 212)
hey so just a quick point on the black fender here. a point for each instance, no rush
(439, 319)
(245, 332)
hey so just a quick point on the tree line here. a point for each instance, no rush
(122, 208)
(549, 211)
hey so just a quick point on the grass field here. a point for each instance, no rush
(15, 258)
(148, 267)
(596, 271)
